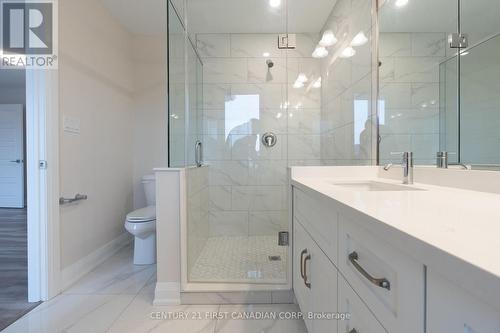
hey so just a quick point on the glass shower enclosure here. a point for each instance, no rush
(246, 80)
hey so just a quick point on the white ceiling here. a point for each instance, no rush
(148, 17)
(440, 16)
(256, 16)
(140, 17)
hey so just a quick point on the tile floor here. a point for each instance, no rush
(240, 260)
(117, 297)
(13, 266)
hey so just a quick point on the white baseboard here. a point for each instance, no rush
(76, 271)
(167, 293)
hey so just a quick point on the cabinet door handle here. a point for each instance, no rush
(302, 263)
(380, 282)
(308, 257)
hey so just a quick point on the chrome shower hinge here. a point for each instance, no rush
(458, 41)
(287, 41)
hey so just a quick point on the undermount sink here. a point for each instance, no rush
(373, 186)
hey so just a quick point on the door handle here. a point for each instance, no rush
(308, 284)
(17, 161)
(380, 282)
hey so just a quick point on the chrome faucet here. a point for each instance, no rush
(407, 165)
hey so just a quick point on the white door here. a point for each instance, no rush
(11, 156)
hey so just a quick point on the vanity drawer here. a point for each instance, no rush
(391, 283)
(361, 320)
(452, 309)
(320, 218)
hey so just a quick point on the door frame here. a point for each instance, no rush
(42, 174)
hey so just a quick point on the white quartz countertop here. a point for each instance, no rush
(453, 230)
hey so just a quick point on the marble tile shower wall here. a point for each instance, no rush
(241, 102)
(409, 94)
(348, 112)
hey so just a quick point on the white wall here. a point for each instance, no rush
(95, 87)
(149, 54)
(114, 83)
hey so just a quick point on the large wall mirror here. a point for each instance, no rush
(439, 81)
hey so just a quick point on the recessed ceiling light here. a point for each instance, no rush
(275, 3)
(359, 39)
(348, 52)
(266, 54)
(320, 52)
(328, 39)
(401, 3)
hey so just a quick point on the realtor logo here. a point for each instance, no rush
(28, 34)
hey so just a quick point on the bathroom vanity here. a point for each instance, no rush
(397, 258)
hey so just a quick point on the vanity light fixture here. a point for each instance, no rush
(266, 54)
(298, 85)
(401, 3)
(317, 83)
(302, 78)
(328, 39)
(275, 3)
(359, 39)
(348, 52)
(320, 52)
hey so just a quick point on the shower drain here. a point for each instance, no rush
(274, 258)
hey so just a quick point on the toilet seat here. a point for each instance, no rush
(146, 214)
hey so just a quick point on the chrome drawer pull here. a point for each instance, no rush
(382, 283)
(302, 263)
(308, 285)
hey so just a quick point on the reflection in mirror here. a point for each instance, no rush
(412, 45)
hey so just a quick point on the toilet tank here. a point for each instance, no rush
(148, 183)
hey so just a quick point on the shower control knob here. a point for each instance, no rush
(269, 140)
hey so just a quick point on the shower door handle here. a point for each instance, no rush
(198, 153)
(302, 263)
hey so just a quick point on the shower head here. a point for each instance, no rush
(270, 63)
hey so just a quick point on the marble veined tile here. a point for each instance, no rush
(231, 325)
(142, 316)
(117, 275)
(73, 314)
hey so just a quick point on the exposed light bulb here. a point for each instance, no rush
(279, 115)
(401, 3)
(275, 3)
(328, 39)
(266, 54)
(302, 78)
(359, 39)
(317, 83)
(348, 52)
(320, 52)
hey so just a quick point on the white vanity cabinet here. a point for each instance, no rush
(340, 267)
(315, 282)
(451, 309)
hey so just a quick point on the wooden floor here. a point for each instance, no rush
(13, 266)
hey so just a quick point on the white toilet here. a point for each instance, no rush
(142, 224)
